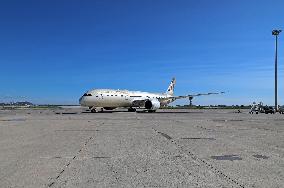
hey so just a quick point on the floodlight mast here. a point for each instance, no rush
(276, 33)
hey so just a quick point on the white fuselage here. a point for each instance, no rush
(109, 98)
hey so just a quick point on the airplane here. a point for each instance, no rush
(110, 99)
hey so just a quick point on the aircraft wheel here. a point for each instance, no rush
(93, 111)
(131, 110)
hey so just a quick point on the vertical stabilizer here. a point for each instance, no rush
(171, 87)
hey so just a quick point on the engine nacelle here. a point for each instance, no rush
(152, 104)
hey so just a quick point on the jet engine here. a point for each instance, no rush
(152, 104)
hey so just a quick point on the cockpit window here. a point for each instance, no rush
(87, 94)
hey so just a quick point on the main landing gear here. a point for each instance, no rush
(131, 110)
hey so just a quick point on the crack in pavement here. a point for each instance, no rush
(67, 165)
(209, 166)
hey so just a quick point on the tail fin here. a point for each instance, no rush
(171, 87)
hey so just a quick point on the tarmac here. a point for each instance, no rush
(170, 148)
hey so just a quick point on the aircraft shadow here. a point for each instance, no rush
(102, 112)
(145, 112)
(172, 112)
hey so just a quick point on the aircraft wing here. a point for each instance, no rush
(194, 95)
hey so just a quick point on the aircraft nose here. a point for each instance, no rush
(86, 100)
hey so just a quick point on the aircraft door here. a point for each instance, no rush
(127, 102)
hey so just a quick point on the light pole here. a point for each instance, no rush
(276, 33)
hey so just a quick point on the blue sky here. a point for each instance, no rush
(53, 51)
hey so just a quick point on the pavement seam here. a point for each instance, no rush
(68, 164)
(209, 166)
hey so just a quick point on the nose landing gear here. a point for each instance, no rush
(94, 110)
